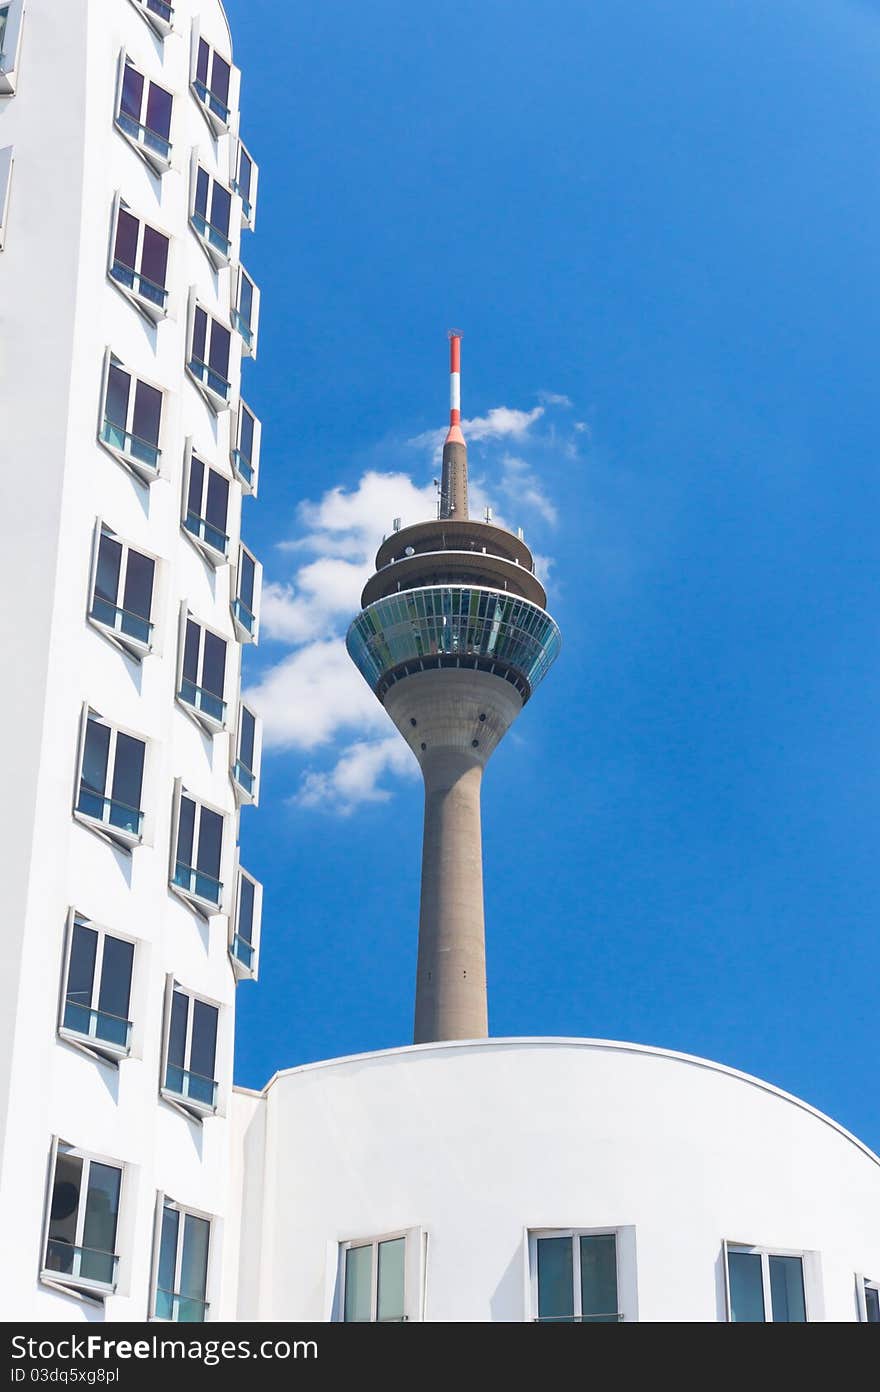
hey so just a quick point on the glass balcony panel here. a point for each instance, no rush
(243, 615)
(140, 284)
(183, 1309)
(210, 378)
(118, 438)
(96, 1024)
(109, 811)
(243, 466)
(81, 1263)
(211, 100)
(243, 951)
(198, 883)
(201, 700)
(122, 621)
(243, 776)
(242, 327)
(191, 1086)
(210, 535)
(160, 8)
(211, 233)
(151, 139)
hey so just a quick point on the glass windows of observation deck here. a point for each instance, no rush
(144, 116)
(206, 509)
(765, 1287)
(122, 594)
(374, 1281)
(182, 1268)
(139, 262)
(132, 420)
(211, 215)
(97, 989)
(111, 781)
(83, 1219)
(211, 84)
(577, 1279)
(191, 1053)
(199, 854)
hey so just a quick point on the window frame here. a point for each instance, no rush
(244, 970)
(116, 836)
(163, 1201)
(218, 124)
(247, 471)
(94, 1292)
(248, 333)
(212, 554)
(243, 633)
(217, 401)
(218, 256)
(810, 1276)
(141, 469)
(158, 23)
(625, 1270)
(158, 161)
(191, 1107)
(414, 1274)
(154, 313)
(249, 205)
(244, 796)
(10, 55)
(104, 1050)
(7, 165)
(212, 724)
(205, 908)
(128, 643)
(863, 1285)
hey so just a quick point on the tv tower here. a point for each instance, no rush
(453, 637)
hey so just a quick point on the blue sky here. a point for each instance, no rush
(656, 224)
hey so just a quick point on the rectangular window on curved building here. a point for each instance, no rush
(208, 357)
(381, 1280)
(214, 83)
(143, 115)
(575, 1278)
(244, 176)
(139, 262)
(159, 15)
(245, 451)
(244, 927)
(246, 596)
(211, 214)
(131, 419)
(199, 853)
(765, 1287)
(11, 20)
(110, 781)
(121, 598)
(189, 1072)
(205, 515)
(7, 160)
(182, 1264)
(82, 1222)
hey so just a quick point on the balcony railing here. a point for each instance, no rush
(246, 205)
(183, 1309)
(211, 100)
(118, 438)
(81, 1263)
(122, 620)
(244, 776)
(139, 284)
(142, 135)
(160, 8)
(244, 615)
(215, 235)
(191, 1087)
(109, 811)
(241, 326)
(197, 883)
(206, 702)
(615, 1318)
(206, 531)
(243, 951)
(211, 379)
(243, 466)
(97, 1025)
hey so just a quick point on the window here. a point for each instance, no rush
(209, 356)
(246, 763)
(97, 989)
(211, 214)
(198, 854)
(246, 310)
(869, 1301)
(191, 1052)
(574, 1278)
(244, 940)
(82, 1222)
(246, 599)
(212, 84)
(139, 262)
(6, 162)
(131, 420)
(11, 17)
(245, 175)
(111, 781)
(765, 1287)
(206, 509)
(246, 448)
(122, 593)
(182, 1264)
(203, 674)
(158, 14)
(144, 116)
(382, 1279)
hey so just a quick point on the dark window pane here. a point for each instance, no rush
(390, 1283)
(118, 387)
(128, 771)
(200, 334)
(555, 1278)
(218, 500)
(154, 256)
(102, 1209)
(177, 1029)
(358, 1279)
(244, 173)
(246, 434)
(202, 60)
(107, 573)
(214, 664)
(138, 597)
(201, 202)
(159, 111)
(147, 413)
(246, 300)
(127, 228)
(194, 1263)
(246, 910)
(210, 842)
(196, 486)
(872, 1304)
(787, 1290)
(203, 1048)
(219, 359)
(168, 1250)
(220, 79)
(746, 1287)
(191, 652)
(132, 92)
(186, 830)
(116, 977)
(599, 1276)
(81, 972)
(247, 737)
(65, 1206)
(221, 206)
(246, 578)
(94, 766)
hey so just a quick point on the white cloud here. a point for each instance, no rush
(313, 694)
(502, 422)
(356, 775)
(521, 485)
(554, 399)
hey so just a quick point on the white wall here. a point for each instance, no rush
(59, 313)
(476, 1143)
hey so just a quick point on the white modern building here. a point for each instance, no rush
(474, 1180)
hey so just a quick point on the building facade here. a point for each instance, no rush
(126, 317)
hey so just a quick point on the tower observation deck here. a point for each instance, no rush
(453, 637)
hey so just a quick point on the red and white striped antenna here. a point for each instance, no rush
(455, 434)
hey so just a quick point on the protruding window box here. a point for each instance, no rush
(198, 846)
(110, 782)
(208, 357)
(139, 262)
(245, 313)
(213, 539)
(11, 17)
(81, 1224)
(245, 452)
(244, 928)
(211, 214)
(97, 990)
(197, 884)
(205, 513)
(181, 1263)
(246, 751)
(244, 179)
(7, 162)
(131, 420)
(122, 589)
(214, 83)
(159, 14)
(203, 674)
(207, 703)
(246, 596)
(190, 1053)
(143, 115)
(192, 1089)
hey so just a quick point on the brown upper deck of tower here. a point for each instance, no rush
(454, 551)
